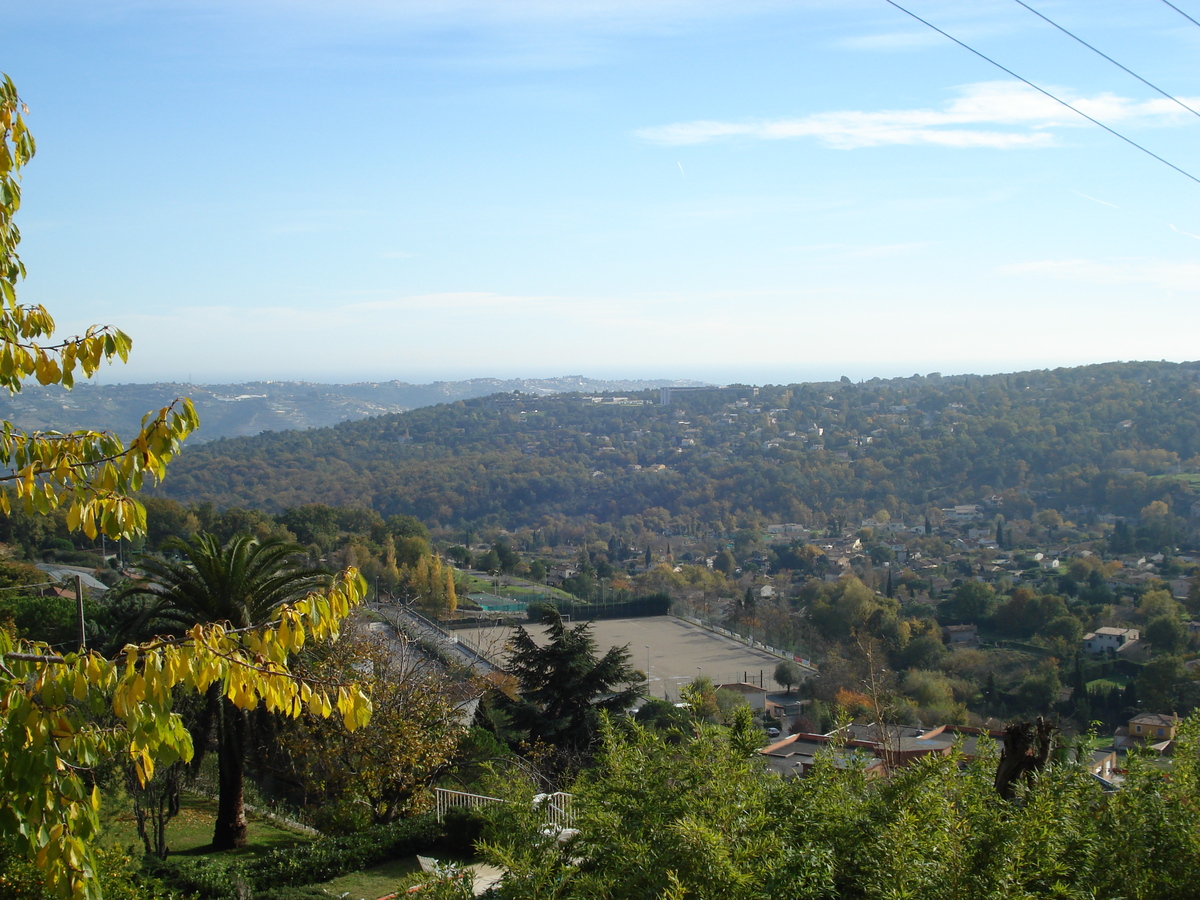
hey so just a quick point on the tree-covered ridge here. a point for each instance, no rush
(238, 410)
(1111, 437)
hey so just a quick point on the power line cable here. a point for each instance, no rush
(1106, 56)
(1042, 90)
(1181, 12)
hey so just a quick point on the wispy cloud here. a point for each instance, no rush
(1018, 116)
(895, 40)
(1171, 276)
(1184, 233)
(866, 251)
(1096, 200)
(462, 301)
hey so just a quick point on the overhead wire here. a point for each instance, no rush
(1181, 12)
(1045, 92)
(1106, 56)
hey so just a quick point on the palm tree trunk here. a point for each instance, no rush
(230, 829)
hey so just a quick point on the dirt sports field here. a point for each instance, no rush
(678, 651)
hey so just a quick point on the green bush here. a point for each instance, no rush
(265, 876)
(203, 877)
(463, 829)
(302, 892)
(331, 857)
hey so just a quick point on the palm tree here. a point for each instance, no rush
(241, 583)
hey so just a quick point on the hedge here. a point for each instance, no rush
(222, 878)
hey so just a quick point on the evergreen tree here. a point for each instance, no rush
(563, 686)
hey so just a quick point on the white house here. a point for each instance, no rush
(1104, 639)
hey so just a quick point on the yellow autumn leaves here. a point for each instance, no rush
(52, 727)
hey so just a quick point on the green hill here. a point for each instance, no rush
(1104, 438)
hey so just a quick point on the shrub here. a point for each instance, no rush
(217, 878)
(463, 830)
(331, 857)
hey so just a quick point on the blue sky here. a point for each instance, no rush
(752, 191)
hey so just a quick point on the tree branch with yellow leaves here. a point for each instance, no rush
(60, 715)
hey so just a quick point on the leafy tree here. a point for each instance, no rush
(700, 695)
(1157, 603)
(1167, 635)
(656, 818)
(788, 673)
(1160, 683)
(430, 584)
(724, 562)
(1039, 691)
(1193, 598)
(847, 606)
(663, 715)
(1064, 632)
(923, 652)
(313, 523)
(1050, 519)
(972, 602)
(237, 585)
(93, 474)
(387, 769)
(563, 686)
(406, 527)
(61, 715)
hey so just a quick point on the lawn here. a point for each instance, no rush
(1192, 478)
(190, 832)
(377, 881)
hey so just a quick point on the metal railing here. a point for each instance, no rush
(748, 641)
(447, 800)
(558, 807)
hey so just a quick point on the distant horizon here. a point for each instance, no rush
(854, 373)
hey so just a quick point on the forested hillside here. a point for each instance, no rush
(239, 410)
(1107, 438)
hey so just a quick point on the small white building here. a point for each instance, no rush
(1103, 640)
(755, 696)
(964, 512)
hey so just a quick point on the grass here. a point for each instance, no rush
(190, 832)
(1191, 478)
(377, 881)
(381, 880)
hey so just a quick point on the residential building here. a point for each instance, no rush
(755, 696)
(1153, 727)
(1104, 640)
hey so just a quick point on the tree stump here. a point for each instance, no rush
(1026, 750)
